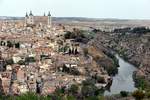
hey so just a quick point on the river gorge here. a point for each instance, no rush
(123, 81)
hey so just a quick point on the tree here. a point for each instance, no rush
(9, 44)
(29, 59)
(17, 45)
(68, 35)
(74, 89)
(69, 51)
(74, 71)
(1, 43)
(21, 62)
(65, 69)
(76, 51)
(88, 90)
(138, 94)
(148, 94)
(100, 79)
(9, 62)
(88, 82)
(124, 93)
(59, 92)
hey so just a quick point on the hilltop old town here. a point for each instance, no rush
(77, 57)
(37, 56)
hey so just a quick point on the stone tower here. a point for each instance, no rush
(31, 18)
(26, 18)
(49, 19)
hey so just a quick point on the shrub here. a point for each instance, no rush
(124, 93)
(148, 94)
(21, 62)
(74, 89)
(88, 91)
(70, 97)
(141, 82)
(92, 98)
(29, 59)
(100, 79)
(138, 94)
(9, 62)
(74, 71)
(88, 82)
(97, 58)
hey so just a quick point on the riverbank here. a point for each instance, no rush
(118, 80)
(109, 61)
(133, 47)
(122, 81)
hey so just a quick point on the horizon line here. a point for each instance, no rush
(98, 18)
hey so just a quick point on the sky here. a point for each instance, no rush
(122, 9)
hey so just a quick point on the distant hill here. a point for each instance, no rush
(10, 18)
(98, 21)
(71, 18)
(66, 19)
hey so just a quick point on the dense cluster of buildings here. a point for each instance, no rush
(35, 57)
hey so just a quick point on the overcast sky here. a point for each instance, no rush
(123, 9)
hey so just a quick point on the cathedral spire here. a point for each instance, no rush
(31, 13)
(49, 14)
(26, 14)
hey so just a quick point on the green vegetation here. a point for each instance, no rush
(88, 89)
(21, 62)
(29, 59)
(100, 79)
(138, 94)
(148, 94)
(115, 60)
(141, 82)
(84, 91)
(122, 53)
(26, 96)
(74, 89)
(9, 62)
(124, 93)
(111, 65)
(9, 44)
(17, 45)
(79, 35)
(108, 64)
(139, 30)
(70, 70)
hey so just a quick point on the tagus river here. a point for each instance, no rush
(123, 81)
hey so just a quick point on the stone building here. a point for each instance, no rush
(38, 20)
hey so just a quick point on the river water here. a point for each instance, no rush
(123, 81)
